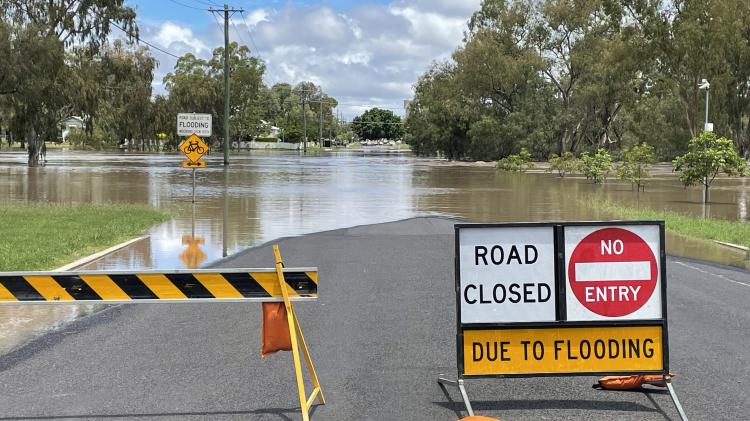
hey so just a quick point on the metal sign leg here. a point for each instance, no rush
(668, 381)
(193, 185)
(460, 384)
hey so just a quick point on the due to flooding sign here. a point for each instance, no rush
(567, 299)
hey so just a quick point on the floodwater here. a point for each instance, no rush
(266, 195)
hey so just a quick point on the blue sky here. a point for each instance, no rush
(363, 53)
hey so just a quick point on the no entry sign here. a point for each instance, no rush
(612, 272)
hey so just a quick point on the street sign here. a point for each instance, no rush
(567, 298)
(612, 272)
(507, 274)
(191, 123)
(563, 350)
(190, 164)
(193, 147)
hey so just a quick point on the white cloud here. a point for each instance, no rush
(171, 33)
(257, 16)
(370, 56)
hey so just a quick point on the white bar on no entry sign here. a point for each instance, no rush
(613, 271)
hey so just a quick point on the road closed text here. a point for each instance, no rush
(562, 350)
(507, 275)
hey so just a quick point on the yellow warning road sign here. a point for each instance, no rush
(157, 286)
(193, 147)
(613, 349)
(190, 164)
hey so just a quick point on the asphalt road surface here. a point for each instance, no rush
(382, 331)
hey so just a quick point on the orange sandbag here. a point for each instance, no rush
(478, 418)
(621, 382)
(631, 382)
(656, 379)
(275, 329)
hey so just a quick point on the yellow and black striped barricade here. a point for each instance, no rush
(179, 286)
(261, 285)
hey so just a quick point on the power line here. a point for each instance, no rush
(186, 5)
(257, 50)
(139, 39)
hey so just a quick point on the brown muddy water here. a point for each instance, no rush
(266, 195)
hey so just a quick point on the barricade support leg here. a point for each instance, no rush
(460, 384)
(668, 381)
(295, 333)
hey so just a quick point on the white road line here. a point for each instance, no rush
(713, 274)
(613, 271)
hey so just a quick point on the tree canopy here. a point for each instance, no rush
(558, 76)
(377, 123)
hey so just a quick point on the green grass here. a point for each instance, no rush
(709, 229)
(44, 237)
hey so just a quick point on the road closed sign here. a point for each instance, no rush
(613, 272)
(506, 274)
(561, 298)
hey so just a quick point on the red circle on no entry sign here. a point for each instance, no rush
(612, 272)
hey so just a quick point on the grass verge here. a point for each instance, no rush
(710, 229)
(43, 237)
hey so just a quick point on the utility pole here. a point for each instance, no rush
(320, 136)
(330, 132)
(304, 124)
(226, 10)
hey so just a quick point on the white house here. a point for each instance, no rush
(270, 130)
(71, 123)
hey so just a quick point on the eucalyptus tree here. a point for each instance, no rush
(42, 30)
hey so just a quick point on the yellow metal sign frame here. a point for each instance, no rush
(298, 341)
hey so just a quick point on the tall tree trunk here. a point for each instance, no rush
(35, 147)
(705, 190)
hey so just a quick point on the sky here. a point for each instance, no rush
(364, 53)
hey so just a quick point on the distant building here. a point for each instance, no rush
(71, 123)
(270, 130)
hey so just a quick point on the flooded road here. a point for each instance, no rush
(266, 195)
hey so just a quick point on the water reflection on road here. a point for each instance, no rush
(262, 196)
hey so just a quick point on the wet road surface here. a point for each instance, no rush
(382, 331)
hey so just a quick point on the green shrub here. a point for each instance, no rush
(635, 163)
(266, 139)
(596, 167)
(517, 162)
(564, 165)
(707, 157)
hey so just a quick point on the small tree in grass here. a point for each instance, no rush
(707, 157)
(596, 167)
(635, 163)
(564, 165)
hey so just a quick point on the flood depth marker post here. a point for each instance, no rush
(561, 299)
